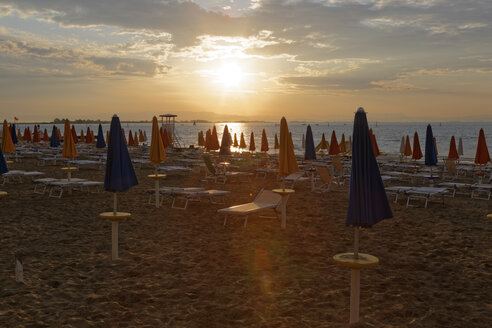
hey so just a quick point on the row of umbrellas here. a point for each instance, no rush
(211, 141)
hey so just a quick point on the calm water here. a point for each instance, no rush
(388, 135)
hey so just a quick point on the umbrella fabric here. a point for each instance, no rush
(309, 151)
(374, 144)
(252, 146)
(201, 139)
(140, 136)
(453, 152)
(107, 136)
(157, 151)
(124, 136)
(287, 162)
(417, 152)
(323, 144)
(35, 135)
(225, 145)
(69, 150)
(334, 148)
(45, 135)
(19, 134)
(100, 138)
(82, 136)
(236, 144)
(276, 145)
(7, 144)
(242, 142)
(482, 155)
(408, 148)
(350, 144)
(88, 138)
(215, 140)
(27, 134)
(120, 174)
(303, 143)
(430, 148)
(54, 142)
(130, 139)
(165, 138)
(3, 164)
(460, 147)
(343, 147)
(264, 141)
(75, 138)
(59, 134)
(208, 137)
(135, 138)
(145, 136)
(368, 203)
(402, 145)
(435, 146)
(13, 134)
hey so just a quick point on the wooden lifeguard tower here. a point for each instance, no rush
(168, 122)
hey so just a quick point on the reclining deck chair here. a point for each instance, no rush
(266, 199)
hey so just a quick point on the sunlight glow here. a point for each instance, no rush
(230, 75)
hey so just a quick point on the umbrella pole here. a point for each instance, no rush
(114, 231)
(355, 283)
(156, 188)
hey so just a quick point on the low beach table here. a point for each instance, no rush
(114, 217)
(3, 193)
(9, 162)
(156, 177)
(69, 170)
(362, 261)
(284, 193)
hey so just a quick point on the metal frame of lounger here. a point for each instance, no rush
(397, 191)
(425, 193)
(11, 176)
(60, 185)
(455, 186)
(481, 188)
(44, 182)
(257, 205)
(196, 196)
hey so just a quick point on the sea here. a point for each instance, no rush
(388, 135)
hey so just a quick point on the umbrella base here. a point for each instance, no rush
(363, 261)
(3, 193)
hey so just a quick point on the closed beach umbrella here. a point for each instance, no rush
(460, 147)
(342, 145)
(303, 143)
(135, 138)
(264, 141)
(13, 134)
(165, 139)
(334, 148)
(130, 139)
(157, 152)
(7, 144)
(82, 136)
(27, 134)
(69, 149)
(430, 148)
(124, 136)
(3, 164)
(145, 136)
(252, 146)
(408, 148)
(59, 134)
(35, 135)
(88, 138)
(107, 136)
(242, 142)
(368, 203)
(100, 138)
(309, 151)
(276, 144)
(402, 145)
(201, 139)
(323, 144)
(417, 152)
(75, 138)
(287, 162)
(225, 145)
(374, 144)
(19, 134)
(140, 136)
(208, 138)
(46, 138)
(482, 155)
(54, 142)
(120, 174)
(435, 146)
(453, 152)
(236, 144)
(215, 140)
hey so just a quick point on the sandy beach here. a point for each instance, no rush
(185, 269)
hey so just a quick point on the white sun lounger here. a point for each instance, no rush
(215, 197)
(479, 189)
(455, 186)
(425, 193)
(397, 191)
(266, 199)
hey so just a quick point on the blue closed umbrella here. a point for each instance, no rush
(54, 142)
(368, 203)
(3, 164)
(14, 134)
(430, 148)
(309, 151)
(120, 174)
(100, 138)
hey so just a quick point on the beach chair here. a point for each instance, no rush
(451, 170)
(425, 193)
(212, 173)
(480, 189)
(326, 179)
(339, 170)
(293, 178)
(265, 200)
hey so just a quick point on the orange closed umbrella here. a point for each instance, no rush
(343, 146)
(165, 138)
(252, 146)
(208, 137)
(435, 146)
(82, 136)
(7, 143)
(19, 134)
(35, 135)
(235, 144)
(46, 138)
(264, 141)
(453, 151)
(482, 155)
(374, 144)
(107, 136)
(201, 139)
(276, 144)
(130, 139)
(215, 140)
(135, 139)
(408, 148)
(69, 149)
(88, 138)
(242, 142)
(417, 152)
(140, 136)
(27, 134)
(322, 144)
(157, 152)
(287, 162)
(74, 135)
(59, 134)
(334, 148)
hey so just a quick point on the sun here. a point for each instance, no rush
(230, 75)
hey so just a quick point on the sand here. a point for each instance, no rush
(185, 269)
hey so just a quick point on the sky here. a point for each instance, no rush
(219, 60)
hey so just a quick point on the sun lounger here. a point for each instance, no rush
(326, 179)
(293, 178)
(480, 189)
(60, 184)
(215, 197)
(397, 191)
(455, 186)
(266, 199)
(425, 193)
